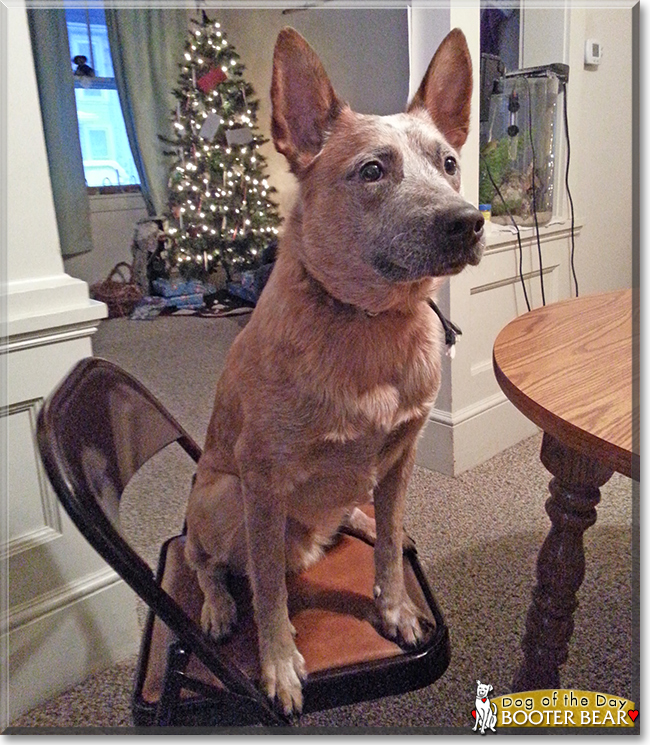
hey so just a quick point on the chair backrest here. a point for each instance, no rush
(94, 433)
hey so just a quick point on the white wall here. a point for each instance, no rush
(63, 612)
(113, 218)
(600, 121)
(427, 28)
(600, 125)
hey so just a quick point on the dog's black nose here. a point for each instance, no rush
(461, 224)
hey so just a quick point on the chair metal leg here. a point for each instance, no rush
(177, 659)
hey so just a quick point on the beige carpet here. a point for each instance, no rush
(477, 535)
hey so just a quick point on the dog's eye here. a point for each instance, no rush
(372, 171)
(451, 166)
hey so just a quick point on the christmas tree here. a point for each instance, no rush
(220, 205)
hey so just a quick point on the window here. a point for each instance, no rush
(105, 149)
(98, 139)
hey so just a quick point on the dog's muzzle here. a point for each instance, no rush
(462, 226)
(459, 234)
(437, 245)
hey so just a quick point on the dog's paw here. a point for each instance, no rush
(401, 622)
(218, 615)
(282, 678)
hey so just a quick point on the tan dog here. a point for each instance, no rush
(325, 390)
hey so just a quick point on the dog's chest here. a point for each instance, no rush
(379, 410)
(403, 393)
(368, 435)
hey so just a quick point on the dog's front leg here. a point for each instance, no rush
(399, 616)
(282, 665)
(362, 526)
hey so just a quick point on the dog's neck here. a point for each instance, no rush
(326, 299)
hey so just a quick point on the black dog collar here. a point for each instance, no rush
(451, 330)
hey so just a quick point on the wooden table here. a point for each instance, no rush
(569, 367)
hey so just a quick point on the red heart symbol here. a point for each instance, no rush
(633, 714)
(474, 713)
(483, 700)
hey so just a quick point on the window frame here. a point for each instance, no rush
(102, 84)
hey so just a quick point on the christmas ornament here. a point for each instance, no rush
(210, 127)
(211, 79)
(239, 136)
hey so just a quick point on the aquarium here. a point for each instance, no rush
(519, 143)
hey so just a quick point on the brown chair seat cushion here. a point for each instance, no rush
(331, 606)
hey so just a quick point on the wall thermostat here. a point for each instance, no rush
(593, 52)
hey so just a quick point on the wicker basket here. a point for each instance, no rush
(120, 293)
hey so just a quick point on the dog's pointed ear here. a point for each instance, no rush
(304, 102)
(446, 89)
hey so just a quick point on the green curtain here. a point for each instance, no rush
(49, 37)
(147, 47)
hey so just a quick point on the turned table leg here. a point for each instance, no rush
(560, 564)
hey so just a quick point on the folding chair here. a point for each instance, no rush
(95, 431)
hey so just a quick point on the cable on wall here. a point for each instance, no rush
(568, 190)
(534, 166)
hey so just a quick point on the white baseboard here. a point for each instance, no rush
(455, 442)
(61, 640)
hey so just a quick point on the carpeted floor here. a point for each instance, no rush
(478, 536)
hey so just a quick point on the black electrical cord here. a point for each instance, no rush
(568, 190)
(532, 148)
(512, 219)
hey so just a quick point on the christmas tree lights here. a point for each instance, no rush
(220, 201)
